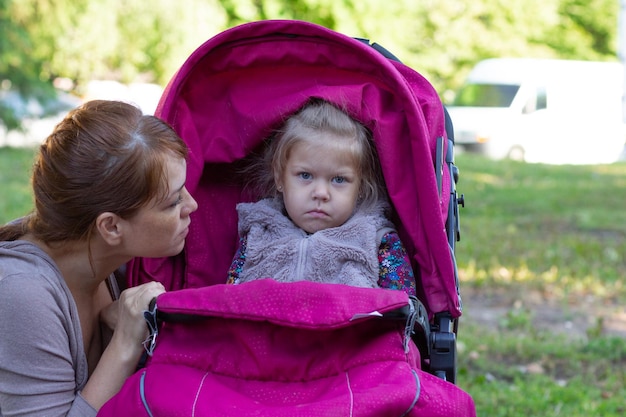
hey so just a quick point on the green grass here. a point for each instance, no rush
(15, 195)
(559, 231)
(556, 230)
(515, 373)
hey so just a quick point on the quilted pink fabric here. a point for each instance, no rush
(285, 349)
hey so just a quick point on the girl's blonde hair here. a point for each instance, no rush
(319, 120)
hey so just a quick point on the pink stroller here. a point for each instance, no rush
(226, 98)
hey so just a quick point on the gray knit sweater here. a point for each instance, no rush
(43, 365)
(278, 249)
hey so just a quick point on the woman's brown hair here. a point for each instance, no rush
(104, 156)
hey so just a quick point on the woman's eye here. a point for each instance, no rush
(178, 201)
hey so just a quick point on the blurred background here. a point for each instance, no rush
(542, 256)
(55, 53)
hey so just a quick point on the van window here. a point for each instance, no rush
(542, 99)
(486, 95)
(538, 101)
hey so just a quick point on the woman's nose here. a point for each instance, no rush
(190, 203)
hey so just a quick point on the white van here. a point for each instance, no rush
(542, 110)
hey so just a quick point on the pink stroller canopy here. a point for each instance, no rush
(240, 85)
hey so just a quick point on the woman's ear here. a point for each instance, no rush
(108, 226)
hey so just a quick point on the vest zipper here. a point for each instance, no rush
(302, 248)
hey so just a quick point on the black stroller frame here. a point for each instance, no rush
(439, 338)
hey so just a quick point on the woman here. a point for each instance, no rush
(109, 185)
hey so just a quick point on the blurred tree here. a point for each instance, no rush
(21, 70)
(323, 12)
(450, 37)
(81, 40)
(135, 40)
(132, 40)
(587, 29)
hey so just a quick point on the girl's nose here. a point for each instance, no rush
(320, 191)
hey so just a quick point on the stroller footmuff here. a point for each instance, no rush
(286, 349)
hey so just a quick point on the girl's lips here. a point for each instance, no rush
(317, 213)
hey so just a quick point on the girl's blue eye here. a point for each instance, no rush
(305, 175)
(339, 180)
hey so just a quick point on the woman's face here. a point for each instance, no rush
(159, 229)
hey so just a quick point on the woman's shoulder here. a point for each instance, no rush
(21, 255)
(28, 274)
(33, 296)
(41, 332)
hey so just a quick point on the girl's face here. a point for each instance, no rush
(159, 229)
(320, 188)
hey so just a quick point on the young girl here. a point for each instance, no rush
(326, 216)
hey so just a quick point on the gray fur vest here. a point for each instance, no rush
(278, 249)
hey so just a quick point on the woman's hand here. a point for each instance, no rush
(109, 315)
(121, 356)
(130, 328)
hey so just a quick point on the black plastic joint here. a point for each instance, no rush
(443, 355)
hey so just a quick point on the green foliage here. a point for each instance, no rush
(18, 60)
(451, 36)
(125, 40)
(585, 35)
(20, 67)
(130, 39)
(15, 192)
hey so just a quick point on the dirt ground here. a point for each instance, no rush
(576, 318)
